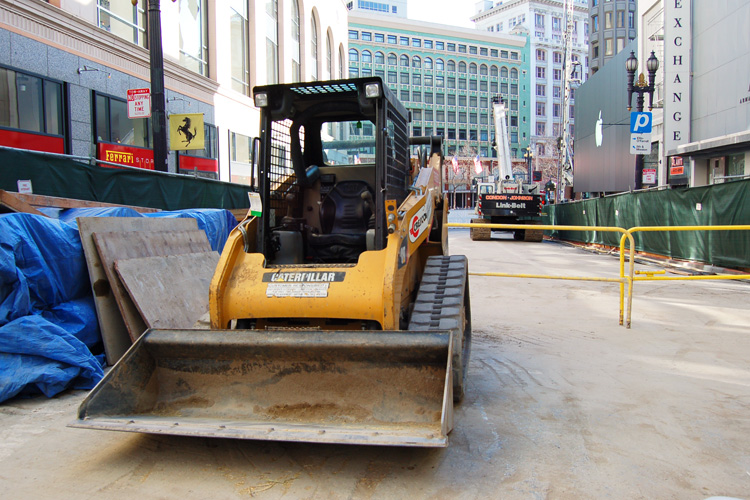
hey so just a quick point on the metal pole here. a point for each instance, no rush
(639, 158)
(158, 103)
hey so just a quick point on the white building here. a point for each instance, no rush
(544, 23)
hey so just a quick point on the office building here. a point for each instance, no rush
(447, 77)
(612, 26)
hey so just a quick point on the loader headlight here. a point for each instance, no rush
(261, 100)
(372, 90)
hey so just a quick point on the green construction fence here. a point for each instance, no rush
(718, 204)
(69, 178)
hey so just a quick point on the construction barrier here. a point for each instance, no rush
(626, 238)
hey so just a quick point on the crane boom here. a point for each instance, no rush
(565, 177)
(502, 145)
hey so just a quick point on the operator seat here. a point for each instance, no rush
(345, 215)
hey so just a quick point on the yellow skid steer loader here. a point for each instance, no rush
(337, 315)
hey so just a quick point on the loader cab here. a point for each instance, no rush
(331, 153)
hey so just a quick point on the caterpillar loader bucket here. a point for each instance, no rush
(379, 387)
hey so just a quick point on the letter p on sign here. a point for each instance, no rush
(640, 122)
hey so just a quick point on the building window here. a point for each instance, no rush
(30, 103)
(272, 41)
(556, 110)
(416, 96)
(451, 66)
(379, 38)
(607, 20)
(240, 166)
(416, 42)
(404, 95)
(541, 109)
(428, 44)
(353, 35)
(366, 36)
(439, 65)
(392, 39)
(392, 77)
(473, 69)
(353, 55)
(341, 62)
(451, 47)
(238, 30)
(440, 99)
(404, 78)
(556, 24)
(609, 48)
(366, 56)
(541, 72)
(329, 58)
(392, 59)
(513, 74)
(631, 20)
(541, 128)
(439, 46)
(416, 79)
(557, 74)
(122, 19)
(112, 124)
(541, 90)
(556, 91)
(191, 41)
(404, 60)
(539, 20)
(379, 58)
(541, 55)
(314, 47)
(404, 40)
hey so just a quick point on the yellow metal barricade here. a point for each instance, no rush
(625, 278)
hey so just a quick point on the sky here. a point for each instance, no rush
(451, 12)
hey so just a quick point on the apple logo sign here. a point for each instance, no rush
(599, 131)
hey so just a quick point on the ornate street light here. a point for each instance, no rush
(640, 88)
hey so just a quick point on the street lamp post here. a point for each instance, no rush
(641, 87)
(528, 155)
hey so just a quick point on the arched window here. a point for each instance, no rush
(514, 74)
(314, 47)
(483, 70)
(404, 60)
(427, 63)
(379, 58)
(353, 55)
(462, 67)
(296, 43)
(493, 70)
(416, 62)
(366, 56)
(503, 72)
(329, 58)
(392, 59)
(451, 66)
(439, 64)
(473, 69)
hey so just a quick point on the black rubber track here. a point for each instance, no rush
(443, 304)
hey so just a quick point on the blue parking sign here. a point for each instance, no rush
(640, 122)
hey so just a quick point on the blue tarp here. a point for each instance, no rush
(49, 334)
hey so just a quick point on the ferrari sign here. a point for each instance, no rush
(186, 132)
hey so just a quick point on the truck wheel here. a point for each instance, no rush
(443, 304)
(480, 233)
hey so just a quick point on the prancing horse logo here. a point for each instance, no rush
(184, 129)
